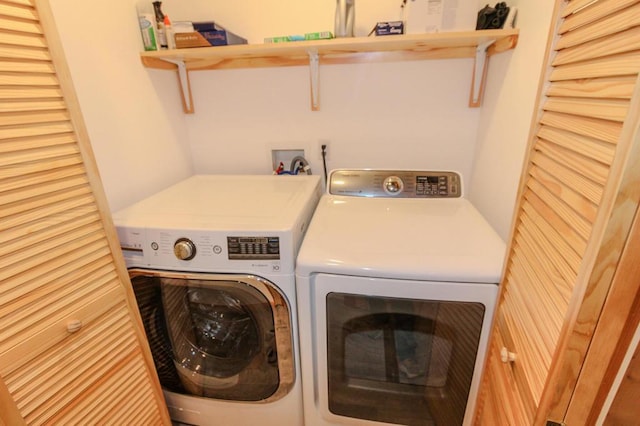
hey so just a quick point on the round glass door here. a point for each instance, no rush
(217, 336)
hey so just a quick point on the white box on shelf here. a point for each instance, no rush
(432, 16)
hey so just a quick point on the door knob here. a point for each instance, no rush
(506, 356)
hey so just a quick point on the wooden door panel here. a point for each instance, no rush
(574, 202)
(72, 347)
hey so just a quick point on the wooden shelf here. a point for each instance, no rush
(448, 45)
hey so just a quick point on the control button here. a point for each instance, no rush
(155, 246)
(393, 185)
(217, 249)
(184, 249)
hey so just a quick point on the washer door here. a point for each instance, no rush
(217, 336)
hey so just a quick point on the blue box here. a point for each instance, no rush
(389, 28)
(207, 34)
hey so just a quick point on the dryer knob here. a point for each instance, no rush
(393, 185)
(184, 249)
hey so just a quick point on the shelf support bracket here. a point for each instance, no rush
(313, 75)
(479, 73)
(185, 84)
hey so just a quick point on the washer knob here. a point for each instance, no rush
(393, 185)
(184, 249)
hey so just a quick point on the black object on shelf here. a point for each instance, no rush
(492, 18)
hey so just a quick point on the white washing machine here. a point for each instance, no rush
(397, 280)
(211, 261)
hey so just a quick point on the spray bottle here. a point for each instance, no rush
(162, 34)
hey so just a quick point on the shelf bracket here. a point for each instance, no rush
(313, 75)
(185, 84)
(479, 73)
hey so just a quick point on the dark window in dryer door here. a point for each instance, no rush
(401, 361)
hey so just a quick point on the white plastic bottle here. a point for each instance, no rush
(168, 30)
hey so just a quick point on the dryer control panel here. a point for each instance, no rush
(395, 183)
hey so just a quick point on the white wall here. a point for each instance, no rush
(383, 115)
(403, 114)
(506, 115)
(133, 115)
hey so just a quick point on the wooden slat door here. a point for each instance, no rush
(575, 205)
(72, 347)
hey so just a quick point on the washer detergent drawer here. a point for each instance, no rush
(399, 352)
(224, 337)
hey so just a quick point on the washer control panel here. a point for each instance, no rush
(254, 248)
(206, 251)
(395, 183)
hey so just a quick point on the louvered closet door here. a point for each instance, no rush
(72, 350)
(565, 196)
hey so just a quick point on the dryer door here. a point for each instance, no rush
(218, 336)
(399, 351)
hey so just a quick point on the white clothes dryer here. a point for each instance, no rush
(397, 280)
(211, 261)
